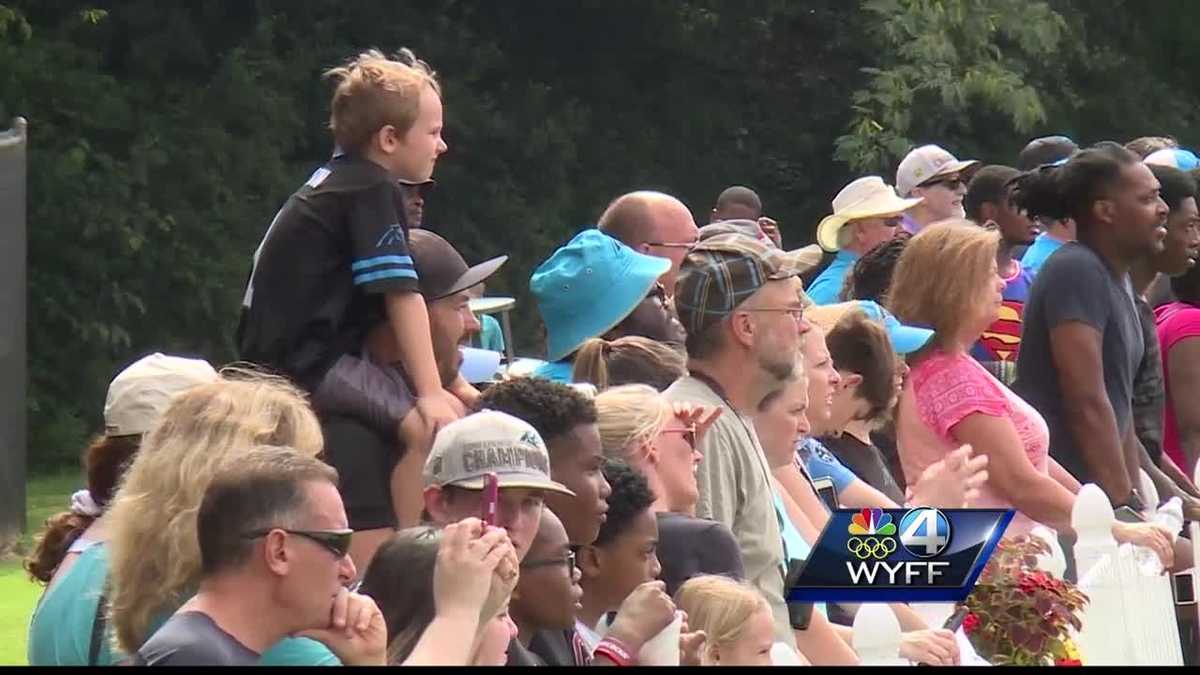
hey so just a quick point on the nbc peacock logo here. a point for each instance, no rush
(872, 535)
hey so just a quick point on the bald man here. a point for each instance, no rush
(653, 223)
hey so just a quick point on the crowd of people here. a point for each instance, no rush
(986, 336)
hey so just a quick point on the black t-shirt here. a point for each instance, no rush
(689, 546)
(1075, 284)
(519, 655)
(193, 639)
(551, 647)
(1149, 391)
(338, 244)
(866, 462)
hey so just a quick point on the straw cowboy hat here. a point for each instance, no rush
(867, 197)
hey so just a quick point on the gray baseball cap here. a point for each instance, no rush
(468, 449)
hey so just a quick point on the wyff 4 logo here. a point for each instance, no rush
(924, 533)
(920, 554)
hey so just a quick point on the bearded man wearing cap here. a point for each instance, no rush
(741, 304)
(360, 411)
(940, 179)
(866, 213)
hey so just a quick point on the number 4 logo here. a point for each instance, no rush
(925, 532)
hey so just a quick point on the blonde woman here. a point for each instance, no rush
(151, 564)
(949, 399)
(640, 427)
(736, 619)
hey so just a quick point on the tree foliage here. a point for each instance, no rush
(164, 136)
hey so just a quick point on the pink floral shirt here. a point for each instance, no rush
(942, 391)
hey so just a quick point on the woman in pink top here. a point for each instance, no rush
(1179, 339)
(947, 279)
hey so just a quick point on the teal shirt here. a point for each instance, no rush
(60, 633)
(491, 337)
(555, 371)
(1037, 254)
(794, 546)
(825, 288)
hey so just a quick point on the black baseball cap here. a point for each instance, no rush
(1045, 150)
(441, 270)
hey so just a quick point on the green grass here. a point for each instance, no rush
(46, 495)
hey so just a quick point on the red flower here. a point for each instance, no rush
(1068, 662)
(970, 623)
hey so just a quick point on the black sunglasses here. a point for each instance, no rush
(336, 542)
(569, 561)
(950, 183)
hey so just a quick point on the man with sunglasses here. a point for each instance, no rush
(866, 213)
(274, 544)
(939, 179)
(655, 224)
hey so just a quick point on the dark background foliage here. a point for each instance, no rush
(164, 136)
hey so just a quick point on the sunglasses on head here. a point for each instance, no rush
(336, 542)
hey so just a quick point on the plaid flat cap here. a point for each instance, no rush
(722, 272)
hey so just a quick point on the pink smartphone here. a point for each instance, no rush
(491, 495)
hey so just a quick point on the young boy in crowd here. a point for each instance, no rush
(624, 555)
(335, 262)
(547, 595)
(566, 421)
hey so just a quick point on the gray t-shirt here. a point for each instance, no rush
(194, 639)
(1076, 285)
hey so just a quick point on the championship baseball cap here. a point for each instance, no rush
(1052, 150)
(441, 270)
(587, 287)
(1178, 158)
(468, 449)
(905, 339)
(141, 393)
(926, 163)
(722, 272)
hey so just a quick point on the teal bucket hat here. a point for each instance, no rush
(589, 286)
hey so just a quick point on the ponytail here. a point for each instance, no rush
(591, 363)
(1070, 190)
(105, 461)
(632, 359)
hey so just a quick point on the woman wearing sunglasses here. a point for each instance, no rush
(640, 427)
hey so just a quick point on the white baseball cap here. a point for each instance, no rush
(926, 163)
(468, 449)
(141, 393)
(866, 197)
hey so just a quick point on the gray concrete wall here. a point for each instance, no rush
(12, 332)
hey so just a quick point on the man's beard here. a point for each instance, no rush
(777, 365)
(448, 363)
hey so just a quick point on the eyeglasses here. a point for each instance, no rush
(796, 313)
(569, 561)
(689, 433)
(336, 542)
(689, 245)
(948, 183)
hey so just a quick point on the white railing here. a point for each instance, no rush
(1130, 616)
